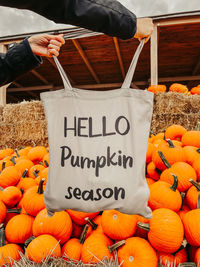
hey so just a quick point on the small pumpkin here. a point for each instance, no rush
(6, 152)
(192, 194)
(153, 172)
(117, 225)
(167, 259)
(195, 90)
(9, 176)
(175, 132)
(191, 138)
(3, 211)
(79, 217)
(191, 153)
(24, 164)
(36, 154)
(42, 247)
(179, 88)
(11, 195)
(157, 88)
(26, 182)
(35, 170)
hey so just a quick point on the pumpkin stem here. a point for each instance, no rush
(3, 165)
(175, 184)
(92, 224)
(83, 234)
(116, 245)
(171, 145)
(35, 172)
(24, 173)
(144, 226)
(197, 185)
(198, 201)
(183, 245)
(13, 160)
(28, 241)
(1, 188)
(16, 151)
(46, 163)
(2, 235)
(40, 186)
(14, 210)
(164, 160)
(198, 150)
(158, 171)
(187, 264)
(183, 197)
(22, 190)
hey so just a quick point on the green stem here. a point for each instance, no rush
(92, 224)
(40, 186)
(198, 150)
(187, 264)
(35, 172)
(13, 160)
(16, 151)
(175, 184)
(14, 210)
(2, 235)
(116, 245)
(171, 145)
(3, 165)
(197, 185)
(24, 173)
(28, 241)
(164, 160)
(83, 234)
(144, 226)
(183, 194)
(198, 201)
(183, 245)
(46, 163)
(1, 188)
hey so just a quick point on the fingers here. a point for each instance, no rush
(58, 37)
(53, 52)
(53, 48)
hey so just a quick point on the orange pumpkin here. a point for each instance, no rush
(153, 172)
(59, 225)
(8, 252)
(191, 138)
(24, 164)
(167, 259)
(165, 230)
(25, 183)
(163, 195)
(6, 162)
(42, 247)
(150, 181)
(195, 90)
(33, 199)
(150, 149)
(6, 152)
(11, 195)
(76, 230)
(79, 217)
(10, 214)
(19, 228)
(197, 254)
(95, 248)
(46, 160)
(3, 211)
(196, 166)
(36, 154)
(9, 176)
(191, 153)
(192, 195)
(157, 88)
(179, 88)
(175, 132)
(43, 174)
(35, 170)
(117, 225)
(137, 252)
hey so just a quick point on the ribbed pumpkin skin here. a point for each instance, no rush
(175, 132)
(96, 244)
(26, 183)
(23, 164)
(72, 249)
(184, 171)
(197, 256)
(191, 226)
(36, 154)
(41, 247)
(3, 211)
(151, 171)
(161, 196)
(19, 228)
(192, 197)
(166, 231)
(9, 253)
(169, 259)
(117, 225)
(6, 152)
(196, 166)
(59, 225)
(191, 154)
(9, 176)
(137, 252)
(79, 217)
(191, 138)
(11, 196)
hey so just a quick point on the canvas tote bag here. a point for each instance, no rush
(98, 142)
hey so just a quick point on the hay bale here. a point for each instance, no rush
(1, 113)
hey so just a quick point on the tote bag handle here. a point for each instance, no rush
(131, 70)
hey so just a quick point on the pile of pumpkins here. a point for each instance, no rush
(171, 237)
(175, 87)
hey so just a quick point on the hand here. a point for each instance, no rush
(144, 29)
(46, 45)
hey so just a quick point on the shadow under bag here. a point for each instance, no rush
(98, 142)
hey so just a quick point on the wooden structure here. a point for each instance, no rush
(100, 62)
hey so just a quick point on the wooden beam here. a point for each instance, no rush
(85, 59)
(180, 78)
(154, 57)
(170, 22)
(33, 95)
(196, 68)
(31, 88)
(54, 65)
(17, 84)
(39, 76)
(119, 56)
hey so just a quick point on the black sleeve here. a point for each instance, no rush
(17, 61)
(107, 16)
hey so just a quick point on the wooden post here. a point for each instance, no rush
(3, 88)
(154, 56)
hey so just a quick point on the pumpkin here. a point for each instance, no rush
(42, 247)
(150, 149)
(72, 249)
(6, 152)
(179, 88)
(171, 153)
(192, 194)
(24, 164)
(6, 162)
(157, 88)
(191, 153)
(76, 230)
(11, 195)
(184, 171)
(117, 225)
(137, 252)
(183, 211)
(8, 252)
(197, 254)
(9, 176)
(25, 183)
(153, 172)
(163, 195)
(33, 199)
(10, 214)
(191, 225)
(196, 166)
(95, 225)
(191, 138)
(43, 174)
(139, 231)
(150, 181)
(195, 90)
(159, 136)
(79, 217)
(3, 211)
(167, 259)
(165, 230)
(23, 151)
(46, 160)
(35, 170)
(36, 154)
(175, 132)
(19, 228)
(59, 225)
(95, 248)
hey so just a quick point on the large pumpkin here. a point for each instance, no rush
(9, 176)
